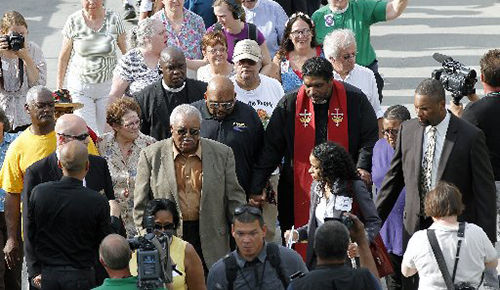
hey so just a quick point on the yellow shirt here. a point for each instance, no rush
(24, 151)
(92, 148)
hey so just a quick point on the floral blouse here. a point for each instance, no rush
(123, 172)
(292, 79)
(188, 39)
(133, 69)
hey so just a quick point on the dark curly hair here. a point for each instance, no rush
(335, 163)
(119, 108)
(287, 44)
(158, 204)
(317, 67)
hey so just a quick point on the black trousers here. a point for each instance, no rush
(67, 278)
(378, 78)
(191, 234)
(394, 281)
(10, 279)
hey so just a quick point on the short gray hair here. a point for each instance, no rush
(337, 40)
(34, 92)
(183, 111)
(144, 30)
(115, 252)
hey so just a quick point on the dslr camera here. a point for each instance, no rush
(339, 215)
(455, 77)
(154, 266)
(15, 41)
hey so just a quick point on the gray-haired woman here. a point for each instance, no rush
(138, 68)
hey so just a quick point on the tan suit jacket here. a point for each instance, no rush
(220, 191)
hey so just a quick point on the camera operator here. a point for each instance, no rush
(114, 255)
(22, 66)
(330, 244)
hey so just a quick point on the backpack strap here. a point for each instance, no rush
(431, 235)
(231, 270)
(461, 237)
(273, 255)
(252, 32)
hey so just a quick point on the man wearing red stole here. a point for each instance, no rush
(323, 109)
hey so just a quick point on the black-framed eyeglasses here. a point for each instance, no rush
(192, 131)
(349, 56)
(164, 227)
(81, 137)
(250, 209)
(391, 132)
(221, 105)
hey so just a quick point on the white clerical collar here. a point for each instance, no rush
(336, 11)
(172, 90)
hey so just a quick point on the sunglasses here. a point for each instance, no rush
(250, 209)
(165, 227)
(192, 132)
(391, 132)
(221, 105)
(81, 137)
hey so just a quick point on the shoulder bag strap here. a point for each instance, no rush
(440, 259)
(461, 236)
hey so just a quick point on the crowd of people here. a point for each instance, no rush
(248, 137)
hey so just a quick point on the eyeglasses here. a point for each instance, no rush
(303, 32)
(164, 227)
(390, 132)
(220, 105)
(349, 56)
(250, 209)
(81, 137)
(41, 105)
(192, 132)
(217, 50)
(131, 125)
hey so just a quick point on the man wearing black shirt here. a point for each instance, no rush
(159, 99)
(67, 223)
(323, 109)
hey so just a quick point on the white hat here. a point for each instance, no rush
(247, 49)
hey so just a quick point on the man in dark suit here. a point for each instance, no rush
(67, 223)
(456, 152)
(70, 127)
(159, 99)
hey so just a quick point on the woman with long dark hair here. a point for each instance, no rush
(336, 189)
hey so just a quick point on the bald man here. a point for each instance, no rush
(159, 99)
(68, 128)
(67, 221)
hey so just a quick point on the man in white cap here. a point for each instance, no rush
(263, 94)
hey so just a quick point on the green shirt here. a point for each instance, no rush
(129, 283)
(358, 17)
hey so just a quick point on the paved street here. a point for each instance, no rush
(461, 29)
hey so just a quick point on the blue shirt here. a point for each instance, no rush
(8, 138)
(270, 19)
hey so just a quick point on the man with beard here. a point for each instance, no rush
(439, 146)
(180, 168)
(159, 99)
(322, 110)
(33, 144)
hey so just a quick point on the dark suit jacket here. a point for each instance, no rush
(155, 113)
(464, 162)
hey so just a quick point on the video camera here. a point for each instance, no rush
(455, 77)
(154, 266)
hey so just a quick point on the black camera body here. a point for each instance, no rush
(339, 215)
(15, 41)
(455, 77)
(154, 267)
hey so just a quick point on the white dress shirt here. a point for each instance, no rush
(363, 78)
(441, 130)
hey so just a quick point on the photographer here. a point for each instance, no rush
(473, 250)
(336, 188)
(331, 244)
(22, 66)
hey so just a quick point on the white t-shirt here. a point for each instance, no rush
(364, 79)
(476, 249)
(263, 99)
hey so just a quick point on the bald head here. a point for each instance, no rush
(74, 158)
(70, 125)
(220, 84)
(114, 252)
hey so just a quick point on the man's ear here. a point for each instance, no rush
(102, 261)
(87, 166)
(171, 129)
(481, 77)
(205, 96)
(232, 231)
(59, 163)
(264, 230)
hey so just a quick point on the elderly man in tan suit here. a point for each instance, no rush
(199, 175)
